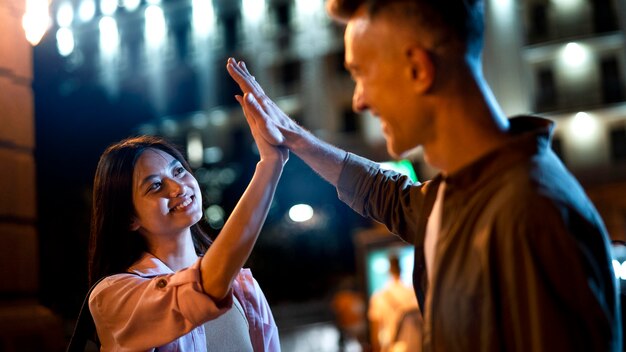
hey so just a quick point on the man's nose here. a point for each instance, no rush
(358, 99)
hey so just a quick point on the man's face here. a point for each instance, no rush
(376, 56)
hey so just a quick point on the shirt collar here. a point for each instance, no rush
(149, 266)
(529, 135)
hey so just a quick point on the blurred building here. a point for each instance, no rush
(563, 59)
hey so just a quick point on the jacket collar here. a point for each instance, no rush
(529, 135)
(149, 266)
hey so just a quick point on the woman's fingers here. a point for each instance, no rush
(244, 79)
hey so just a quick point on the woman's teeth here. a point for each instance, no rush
(183, 204)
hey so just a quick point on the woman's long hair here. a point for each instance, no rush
(113, 247)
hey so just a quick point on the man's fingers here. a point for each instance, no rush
(269, 130)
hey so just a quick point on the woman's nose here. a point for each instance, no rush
(176, 188)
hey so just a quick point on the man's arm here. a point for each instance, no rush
(280, 130)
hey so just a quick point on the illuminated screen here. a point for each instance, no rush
(402, 166)
(618, 251)
(377, 266)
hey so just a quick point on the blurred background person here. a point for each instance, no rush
(394, 316)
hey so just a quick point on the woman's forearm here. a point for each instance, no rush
(231, 249)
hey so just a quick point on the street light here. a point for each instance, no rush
(36, 20)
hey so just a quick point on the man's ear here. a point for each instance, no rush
(422, 68)
(134, 224)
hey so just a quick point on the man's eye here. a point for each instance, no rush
(155, 186)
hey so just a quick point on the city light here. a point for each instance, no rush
(108, 7)
(619, 269)
(203, 17)
(253, 10)
(65, 41)
(155, 26)
(574, 55)
(195, 149)
(65, 14)
(584, 127)
(214, 215)
(86, 10)
(109, 35)
(36, 20)
(301, 212)
(131, 5)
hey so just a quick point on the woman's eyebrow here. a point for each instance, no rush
(150, 177)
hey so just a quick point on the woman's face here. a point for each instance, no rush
(166, 196)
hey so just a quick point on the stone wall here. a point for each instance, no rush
(25, 325)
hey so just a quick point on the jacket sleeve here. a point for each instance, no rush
(385, 196)
(263, 329)
(138, 313)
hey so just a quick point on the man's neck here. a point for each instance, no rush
(470, 124)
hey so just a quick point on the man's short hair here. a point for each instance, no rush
(459, 20)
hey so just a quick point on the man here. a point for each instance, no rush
(395, 320)
(510, 254)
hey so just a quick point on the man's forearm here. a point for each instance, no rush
(324, 158)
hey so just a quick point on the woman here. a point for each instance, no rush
(165, 284)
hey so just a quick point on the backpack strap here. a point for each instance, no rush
(85, 328)
(407, 315)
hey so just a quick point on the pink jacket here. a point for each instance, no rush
(156, 307)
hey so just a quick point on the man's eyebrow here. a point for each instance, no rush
(150, 177)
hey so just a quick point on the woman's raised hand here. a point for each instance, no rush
(270, 122)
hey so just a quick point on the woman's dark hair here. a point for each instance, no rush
(113, 246)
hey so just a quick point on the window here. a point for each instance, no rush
(546, 90)
(612, 90)
(618, 143)
(538, 23)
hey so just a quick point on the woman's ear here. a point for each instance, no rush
(422, 68)
(134, 224)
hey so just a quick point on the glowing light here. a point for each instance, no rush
(86, 10)
(213, 155)
(307, 7)
(109, 35)
(584, 127)
(131, 5)
(214, 215)
(195, 149)
(203, 17)
(36, 20)
(567, 5)
(622, 274)
(65, 14)
(108, 7)
(253, 10)
(301, 213)
(65, 41)
(155, 25)
(380, 265)
(574, 54)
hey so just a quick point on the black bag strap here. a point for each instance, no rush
(85, 328)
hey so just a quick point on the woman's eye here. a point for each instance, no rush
(179, 170)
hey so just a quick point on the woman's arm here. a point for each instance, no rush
(222, 262)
